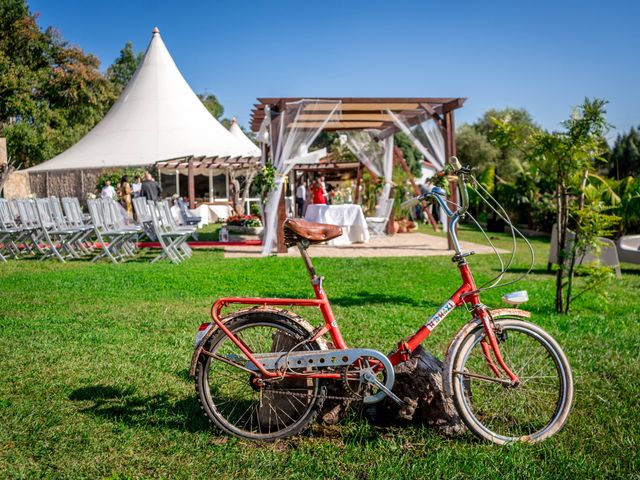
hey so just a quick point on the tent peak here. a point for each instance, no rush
(156, 30)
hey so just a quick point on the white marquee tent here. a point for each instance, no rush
(157, 117)
(237, 132)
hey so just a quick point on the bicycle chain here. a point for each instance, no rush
(304, 395)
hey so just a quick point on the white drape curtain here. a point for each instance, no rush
(376, 155)
(290, 134)
(387, 166)
(427, 137)
(369, 152)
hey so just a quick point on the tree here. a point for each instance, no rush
(624, 160)
(213, 105)
(569, 158)
(123, 67)
(502, 166)
(475, 149)
(51, 93)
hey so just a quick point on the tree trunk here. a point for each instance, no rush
(574, 247)
(560, 249)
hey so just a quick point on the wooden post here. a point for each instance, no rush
(356, 196)
(210, 185)
(191, 185)
(282, 210)
(450, 150)
(282, 216)
(177, 182)
(390, 230)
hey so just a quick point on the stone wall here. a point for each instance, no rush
(63, 183)
(17, 186)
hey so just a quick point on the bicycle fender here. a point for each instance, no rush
(467, 328)
(250, 310)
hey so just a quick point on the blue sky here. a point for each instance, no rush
(543, 56)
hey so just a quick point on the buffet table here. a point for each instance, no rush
(348, 216)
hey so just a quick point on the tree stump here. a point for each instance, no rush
(419, 379)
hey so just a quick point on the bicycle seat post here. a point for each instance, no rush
(302, 246)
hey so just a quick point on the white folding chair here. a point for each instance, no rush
(11, 234)
(378, 223)
(110, 238)
(608, 255)
(170, 239)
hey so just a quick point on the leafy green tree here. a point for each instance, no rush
(475, 149)
(624, 160)
(213, 105)
(51, 93)
(503, 165)
(582, 198)
(123, 67)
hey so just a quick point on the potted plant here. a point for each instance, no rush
(246, 224)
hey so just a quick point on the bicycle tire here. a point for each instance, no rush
(483, 420)
(284, 427)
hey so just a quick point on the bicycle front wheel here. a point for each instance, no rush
(531, 411)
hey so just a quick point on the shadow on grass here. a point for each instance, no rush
(630, 271)
(367, 298)
(131, 408)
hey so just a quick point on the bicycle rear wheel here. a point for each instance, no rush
(237, 401)
(531, 411)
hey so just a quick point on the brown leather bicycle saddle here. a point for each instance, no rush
(296, 229)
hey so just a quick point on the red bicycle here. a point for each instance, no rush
(262, 372)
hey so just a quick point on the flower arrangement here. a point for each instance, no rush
(244, 221)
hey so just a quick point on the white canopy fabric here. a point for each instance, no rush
(375, 155)
(157, 117)
(237, 132)
(290, 143)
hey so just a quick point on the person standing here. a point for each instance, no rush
(124, 192)
(318, 193)
(301, 195)
(137, 186)
(107, 191)
(150, 189)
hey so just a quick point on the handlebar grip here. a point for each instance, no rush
(455, 163)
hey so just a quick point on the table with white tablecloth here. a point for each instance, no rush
(347, 216)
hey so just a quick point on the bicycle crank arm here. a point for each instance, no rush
(373, 380)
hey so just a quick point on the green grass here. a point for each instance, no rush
(94, 362)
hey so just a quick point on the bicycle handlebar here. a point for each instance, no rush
(460, 172)
(439, 195)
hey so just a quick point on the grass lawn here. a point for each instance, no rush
(94, 362)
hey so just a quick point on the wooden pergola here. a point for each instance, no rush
(191, 163)
(361, 113)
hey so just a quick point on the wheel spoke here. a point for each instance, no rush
(243, 404)
(510, 411)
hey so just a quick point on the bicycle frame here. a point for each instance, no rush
(466, 294)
